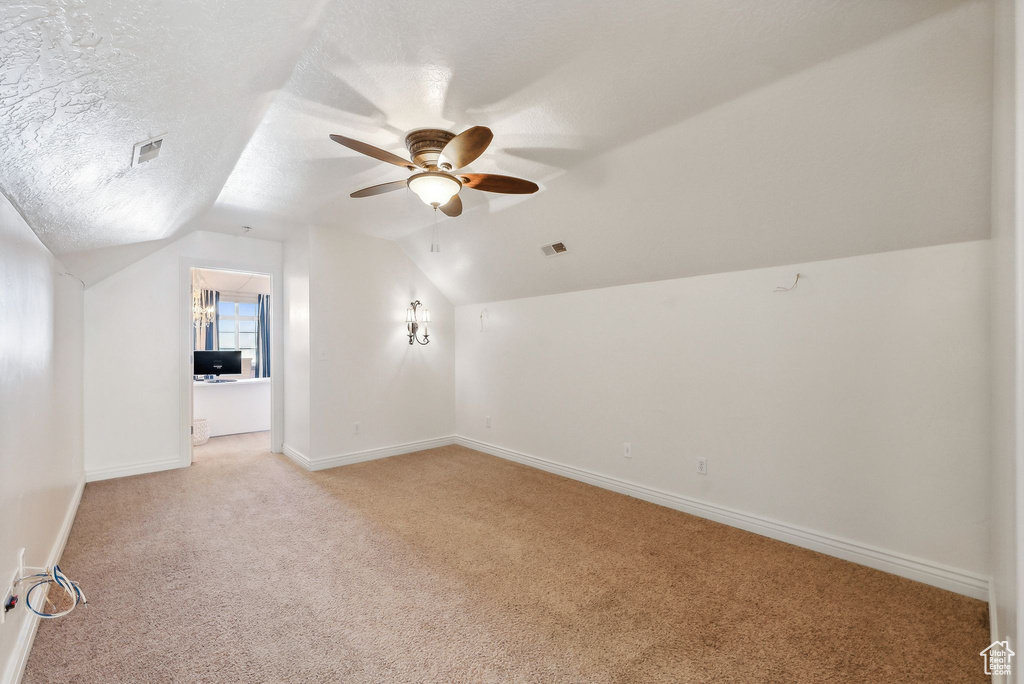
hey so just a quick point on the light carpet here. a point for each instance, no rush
(449, 565)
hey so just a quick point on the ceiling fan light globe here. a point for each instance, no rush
(434, 188)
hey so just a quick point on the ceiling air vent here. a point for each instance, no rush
(554, 249)
(147, 150)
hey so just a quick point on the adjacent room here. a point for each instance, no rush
(666, 341)
(230, 318)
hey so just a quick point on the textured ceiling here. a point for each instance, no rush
(84, 80)
(669, 138)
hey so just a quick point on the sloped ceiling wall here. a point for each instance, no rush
(886, 147)
(668, 138)
(84, 80)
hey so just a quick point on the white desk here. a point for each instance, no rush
(233, 407)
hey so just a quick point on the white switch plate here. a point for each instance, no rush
(355, 428)
(488, 422)
(627, 450)
(702, 466)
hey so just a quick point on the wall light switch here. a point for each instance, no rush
(627, 450)
(488, 422)
(355, 428)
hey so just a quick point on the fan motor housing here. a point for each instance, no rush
(425, 145)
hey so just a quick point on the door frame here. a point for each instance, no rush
(186, 264)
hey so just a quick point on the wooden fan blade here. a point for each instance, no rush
(380, 189)
(371, 151)
(454, 206)
(489, 182)
(466, 146)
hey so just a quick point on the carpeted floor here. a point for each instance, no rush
(450, 566)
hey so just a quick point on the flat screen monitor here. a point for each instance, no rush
(220, 362)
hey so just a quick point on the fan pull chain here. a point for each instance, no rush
(435, 244)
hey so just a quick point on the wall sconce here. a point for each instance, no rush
(417, 316)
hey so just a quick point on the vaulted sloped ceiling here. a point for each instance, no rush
(669, 138)
(84, 80)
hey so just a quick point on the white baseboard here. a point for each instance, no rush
(935, 574)
(360, 456)
(27, 634)
(297, 456)
(137, 469)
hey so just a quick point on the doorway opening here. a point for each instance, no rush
(232, 369)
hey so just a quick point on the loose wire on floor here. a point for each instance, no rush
(52, 576)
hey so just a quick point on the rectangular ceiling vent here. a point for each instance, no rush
(554, 249)
(147, 150)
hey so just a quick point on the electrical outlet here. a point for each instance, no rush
(702, 466)
(355, 428)
(627, 450)
(487, 422)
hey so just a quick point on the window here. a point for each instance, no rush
(236, 325)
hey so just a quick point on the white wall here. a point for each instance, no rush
(855, 405)
(362, 366)
(135, 340)
(1006, 301)
(40, 409)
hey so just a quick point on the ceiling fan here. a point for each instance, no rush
(437, 155)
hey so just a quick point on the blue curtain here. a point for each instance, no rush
(263, 336)
(212, 297)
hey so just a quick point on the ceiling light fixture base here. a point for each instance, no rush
(425, 145)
